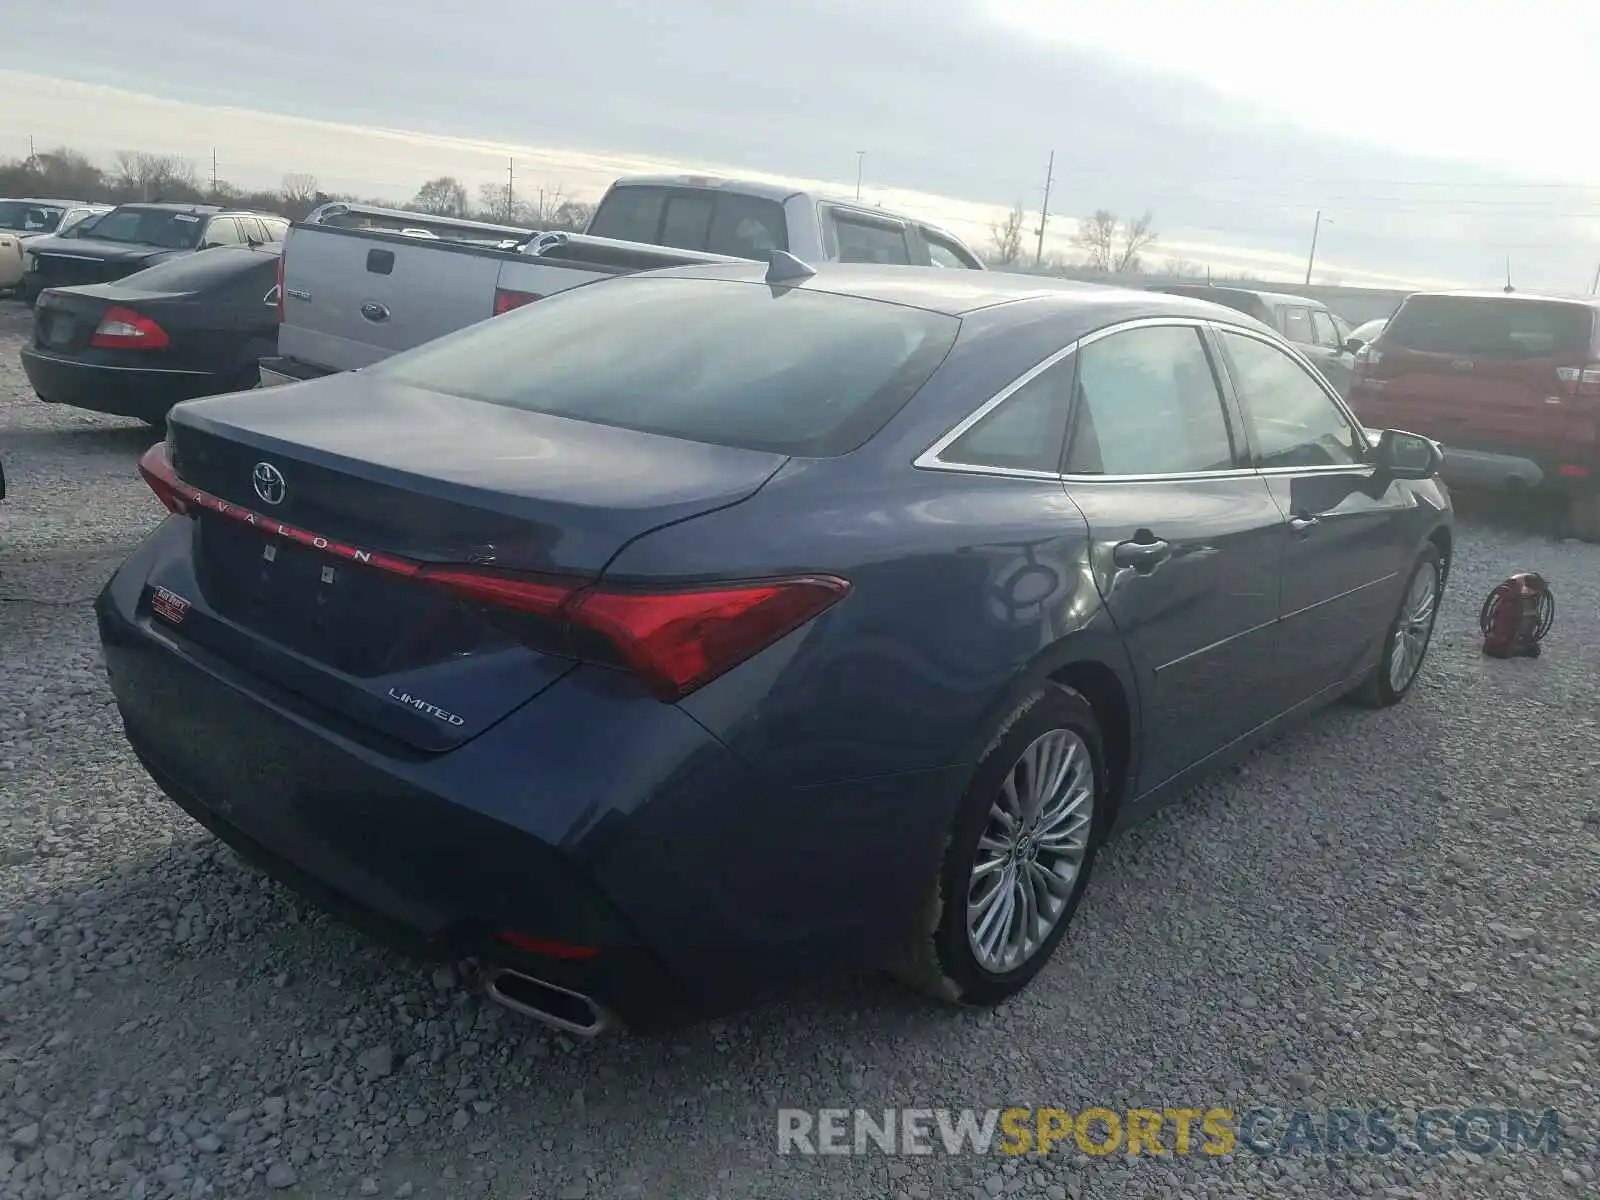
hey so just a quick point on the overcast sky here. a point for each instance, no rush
(1435, 149)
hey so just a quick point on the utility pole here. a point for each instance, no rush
(541, 206)
(31, 155)
(511, 170)
(1595, 286)
(213, 170)
(861, 158)
(1311, 260)
(1044, 209)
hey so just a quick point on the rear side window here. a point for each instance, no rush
(1025, 430)
(1488, 327)
(870, 242)
(801, 372)
(1325, 331)
(1297, 326)
(204, 271)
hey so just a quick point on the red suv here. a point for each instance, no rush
(1507, 383)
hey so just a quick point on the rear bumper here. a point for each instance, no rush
(277, 370)
(584, 817)
(143, 392)
(1483, 469)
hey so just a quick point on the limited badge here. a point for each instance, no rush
(169, 606)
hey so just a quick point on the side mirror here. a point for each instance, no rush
(1353, 345)
(1402, 455)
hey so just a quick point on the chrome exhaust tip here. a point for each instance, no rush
(558, 1007)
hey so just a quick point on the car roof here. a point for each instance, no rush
(960, 293)
(1486, 294)
(1275, 297)
(778, 192)
(49, 202)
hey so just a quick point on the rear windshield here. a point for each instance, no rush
(1487, 327)
(151, 227)
(219, 267)
(20, 217)
(734, 364)
(693, 219)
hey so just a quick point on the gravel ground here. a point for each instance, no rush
(1391, 910)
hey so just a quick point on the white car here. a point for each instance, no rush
(24, 219)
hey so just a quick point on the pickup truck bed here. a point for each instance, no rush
(361, 283)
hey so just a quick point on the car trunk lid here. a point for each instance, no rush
(335, 513)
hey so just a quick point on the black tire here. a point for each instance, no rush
(1378, 691)
(941, 960)
(1583, 515)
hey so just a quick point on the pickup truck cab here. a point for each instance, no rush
(359, 283)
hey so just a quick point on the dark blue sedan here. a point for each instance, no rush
(679, 638)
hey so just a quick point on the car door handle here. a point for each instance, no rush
(1303, 524)
(1141, 555)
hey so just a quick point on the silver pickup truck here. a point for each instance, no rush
(358, 283)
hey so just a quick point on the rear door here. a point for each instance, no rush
(1347, 543)
(1478, 373)
(859, 238)
(1187, 540)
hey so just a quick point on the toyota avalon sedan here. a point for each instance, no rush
(674, 640)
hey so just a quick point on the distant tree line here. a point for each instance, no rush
(134, 175)
(1109, 245)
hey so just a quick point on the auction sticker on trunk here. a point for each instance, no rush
(169, 606)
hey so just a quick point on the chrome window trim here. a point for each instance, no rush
(932, 458)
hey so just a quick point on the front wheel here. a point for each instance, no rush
(1406, 641)
(1018, 857)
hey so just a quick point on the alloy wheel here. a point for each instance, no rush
(1415, 626)
(1031, 851)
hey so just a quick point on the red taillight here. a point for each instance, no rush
(520, 594)
(506, 299)
(681, 640)
(1580, 381)
(124, 329)
(156, 467)
(281, 253)
(546, 946)
(678, 640)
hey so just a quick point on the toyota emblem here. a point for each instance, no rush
(269, 483)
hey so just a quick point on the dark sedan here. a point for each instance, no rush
(132, 237)
(191, 327)
(672, 641)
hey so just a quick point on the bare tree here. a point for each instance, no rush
(1181, 268)
(496, 202)
(1137, 237)
(1111, 246)
(1097, 238)
(300, 194)
(138, 175)
(1006, 237)
(573, 215)
(443, 197)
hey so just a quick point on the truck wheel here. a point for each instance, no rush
(1583, 515)
(1018, 857)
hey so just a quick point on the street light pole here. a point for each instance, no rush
(860, 159)
(1316, 227)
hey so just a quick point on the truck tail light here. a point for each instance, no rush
(505, 299)
(1580, 381)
